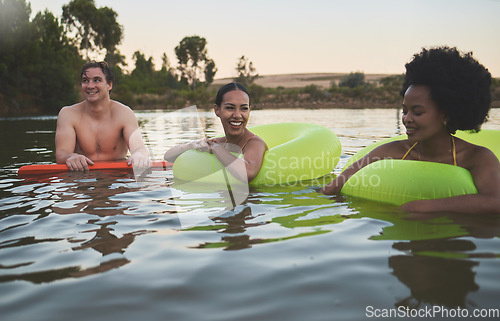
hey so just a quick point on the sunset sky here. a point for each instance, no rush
(307, 36)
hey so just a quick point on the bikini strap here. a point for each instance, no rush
(454, 151)
(247, 141)
(409, 150)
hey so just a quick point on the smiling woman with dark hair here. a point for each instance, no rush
(443, 91)
(232, 106)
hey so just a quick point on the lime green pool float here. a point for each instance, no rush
(400, 181)
(297, 152)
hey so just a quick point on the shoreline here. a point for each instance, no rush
(357, 104)
(294, 80)
(296, 105)
(306, 105)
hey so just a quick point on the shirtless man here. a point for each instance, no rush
(98, 128)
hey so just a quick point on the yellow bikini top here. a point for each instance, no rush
(454, 151)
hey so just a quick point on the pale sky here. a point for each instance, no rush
(307, 36)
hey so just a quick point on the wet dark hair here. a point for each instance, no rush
(227, 88)
(108, 73)
(458, 84)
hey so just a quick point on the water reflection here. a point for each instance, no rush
(234, 227)
(438, 251)
(435, 280)
(105, 242)
(75, 192)
(88, 201)
(64, 273)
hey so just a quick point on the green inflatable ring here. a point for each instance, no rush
(400, 181)
(297, 152)
(397, 181)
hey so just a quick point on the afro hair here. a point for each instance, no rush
(458, 83)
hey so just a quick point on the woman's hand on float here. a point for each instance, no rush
(213, 144)
(331, 188)
(201, 145)
(420, 206)
(335, 186)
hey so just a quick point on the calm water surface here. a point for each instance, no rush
(104, 245)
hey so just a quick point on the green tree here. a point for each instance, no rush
(165, 62)
(142, 75)
(353, 80)
(246, 71)
(143, 67)
(38, 65)
(116, 62)
(210, 71)
(15, 29)
(193, 60)
(315, 92)
(96, 28)
(55, 73)
(15, 34)
(166, 76)
(109, 32)
(115, 58)
(393, 83)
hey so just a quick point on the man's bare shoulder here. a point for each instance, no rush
(120, 106)
(70, 114)
(73, 109)
(122, 112)
(122, 109)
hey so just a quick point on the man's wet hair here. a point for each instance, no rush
(106, 70)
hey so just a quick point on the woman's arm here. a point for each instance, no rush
(335, 186)
(246, 169)
(381, 152)
(174, 152)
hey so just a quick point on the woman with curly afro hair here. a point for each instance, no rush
(443, 91)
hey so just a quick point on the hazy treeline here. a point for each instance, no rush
(41, 59)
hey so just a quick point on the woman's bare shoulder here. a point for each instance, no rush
(257, 140)
(394, 149)
(471, 155)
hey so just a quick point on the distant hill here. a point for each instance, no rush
(299, 80)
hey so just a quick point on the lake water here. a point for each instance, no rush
(104, 246)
